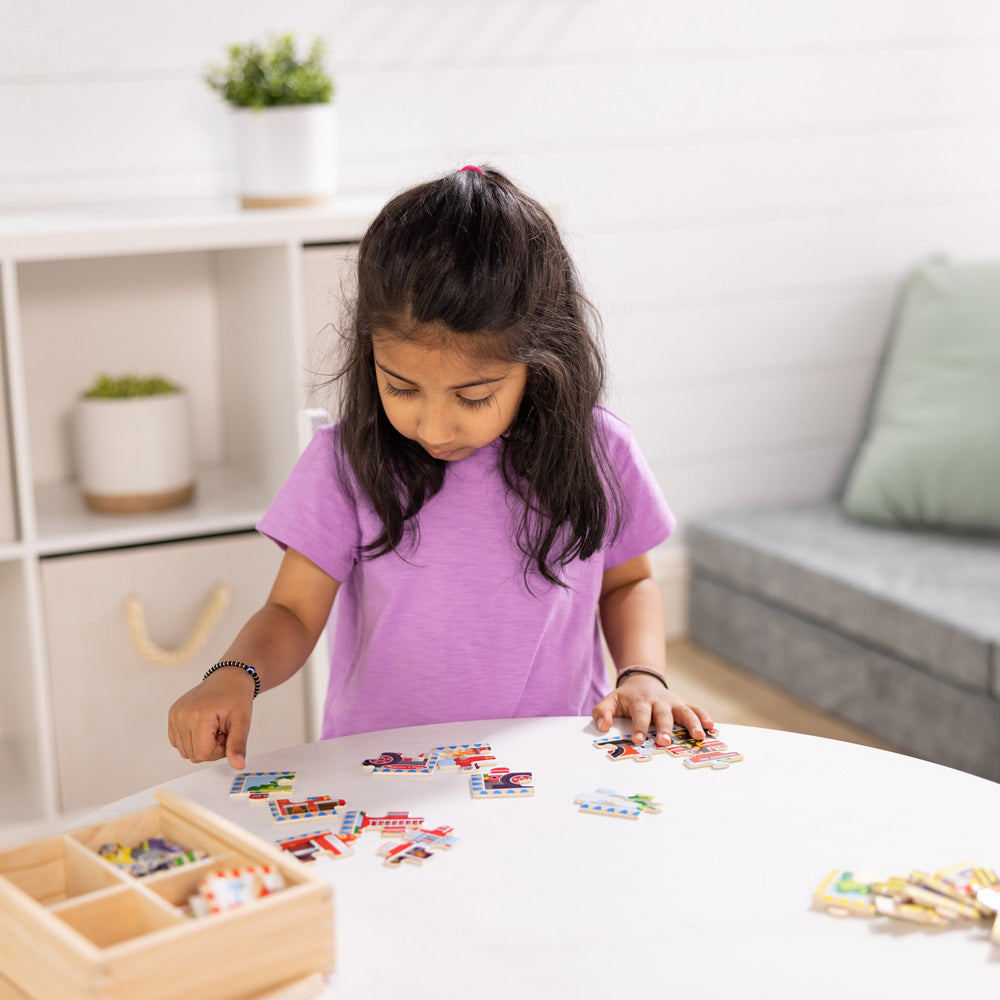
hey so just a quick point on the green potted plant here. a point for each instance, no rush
(133, 444)
(284, 121)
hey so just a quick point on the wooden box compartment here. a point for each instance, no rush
(74, 926)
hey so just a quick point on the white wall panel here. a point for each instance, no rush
(745, 182)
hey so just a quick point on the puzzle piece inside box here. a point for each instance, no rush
(262, 784)
(501, 782)
(313, 808)
(228, 888)
(419, 847)
(390, 762)
(307, 846)
(463, 756)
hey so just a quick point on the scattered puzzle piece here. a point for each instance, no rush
(419, 847)
(952, 896)
(463, 757)
(262, 784)
(392, 824)
(312, 808)
(501, 782)
(717, 760)
(389, 762)
(622, 748)
(603, 805)
(307, 846)
(841, 895)
(608, 802)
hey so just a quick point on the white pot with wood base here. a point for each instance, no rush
(134, 454)
(286, 156)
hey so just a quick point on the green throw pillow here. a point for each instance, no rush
(931, 456)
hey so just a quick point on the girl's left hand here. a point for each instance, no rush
(645, 701)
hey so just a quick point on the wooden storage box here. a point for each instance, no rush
(74, 926)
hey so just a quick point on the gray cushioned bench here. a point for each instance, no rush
(896, 631)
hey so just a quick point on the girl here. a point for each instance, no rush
(474, 512)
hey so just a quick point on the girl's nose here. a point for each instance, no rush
(435, 427)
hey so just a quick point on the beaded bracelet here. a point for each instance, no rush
(236, 663)
(641, 670)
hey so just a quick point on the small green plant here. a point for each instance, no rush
(128, 386)
(272, 75)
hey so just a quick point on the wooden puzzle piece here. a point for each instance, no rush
(933, 891)
(622, 748)
(262, 784)
(914, 913)
(968, 878)
(312, 808)
(389, 762)
(306, 846)
(604, 805)
(351, 825)
(717, 760)
(613, 802)
(501, 782)
(463, 757)
(392, 824)
(226, 889)
(419, 847)
(841, 895)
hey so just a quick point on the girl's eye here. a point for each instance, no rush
(391, 390)
(475, 404)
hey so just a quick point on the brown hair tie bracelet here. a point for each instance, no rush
(641, 670)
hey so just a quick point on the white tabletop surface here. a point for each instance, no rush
(710, 899)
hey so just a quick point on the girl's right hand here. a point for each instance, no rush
(212, 720)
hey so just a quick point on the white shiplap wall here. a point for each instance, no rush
(743, 181)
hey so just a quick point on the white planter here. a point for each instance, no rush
(286, 156)
(134, 454)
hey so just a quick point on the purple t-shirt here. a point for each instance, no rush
(444, 629)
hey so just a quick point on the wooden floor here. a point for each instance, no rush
(732, 695)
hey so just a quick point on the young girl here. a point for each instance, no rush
(475, 513)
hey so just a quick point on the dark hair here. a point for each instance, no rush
(477, 261)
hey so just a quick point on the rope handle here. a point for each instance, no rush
(135, 617)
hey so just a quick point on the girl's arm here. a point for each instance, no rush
(212, 720)
(634, 627)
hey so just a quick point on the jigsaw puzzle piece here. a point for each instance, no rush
(501, 782)
(262, 784)
(307, 846)
(313, 808)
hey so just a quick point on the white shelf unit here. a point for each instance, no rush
(215, 299)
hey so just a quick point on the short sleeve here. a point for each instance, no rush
(314, 512)
(648, 520)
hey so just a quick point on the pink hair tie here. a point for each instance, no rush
(478, 170)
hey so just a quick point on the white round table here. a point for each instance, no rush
(710, 899)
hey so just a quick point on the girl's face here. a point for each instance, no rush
(446, 400)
